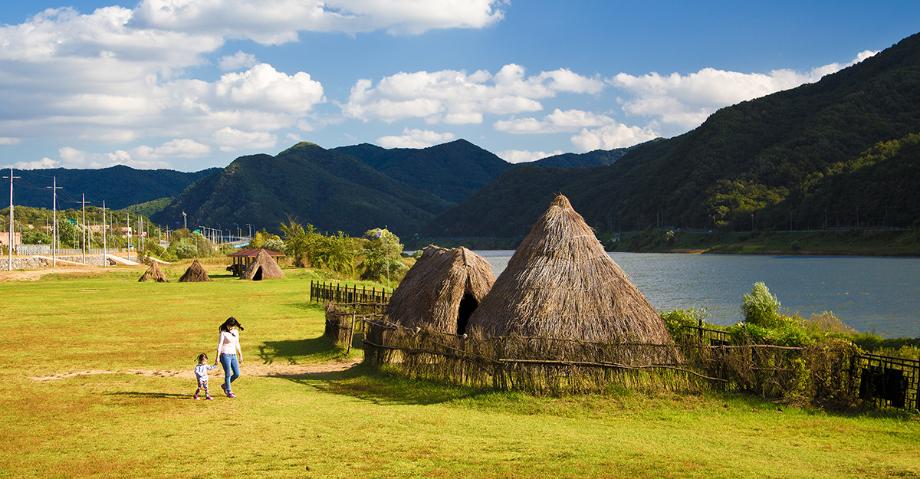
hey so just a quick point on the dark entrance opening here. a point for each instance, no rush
(258, 275)
(467, 305)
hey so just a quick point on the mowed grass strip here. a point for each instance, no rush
(356, 423)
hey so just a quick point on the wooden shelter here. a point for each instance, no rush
(153, 273)
(195, 274)
(561, 284)
(244, 257)
(263, 267)
(442, 290)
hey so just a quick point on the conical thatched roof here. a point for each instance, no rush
(263, 267)
(441, 290)
(561, 284)
(195, 274)
(153, 273)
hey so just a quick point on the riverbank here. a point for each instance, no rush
(849, 242)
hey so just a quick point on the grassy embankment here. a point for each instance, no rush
(138, 419)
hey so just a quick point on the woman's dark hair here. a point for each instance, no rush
(229, 323)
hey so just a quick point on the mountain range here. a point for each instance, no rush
(841, 152)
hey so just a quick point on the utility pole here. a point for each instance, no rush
(105, 247)
(128, 226)
(54, 238)
(83, 201)
(9, 265)
(184, 220)
(250, 230)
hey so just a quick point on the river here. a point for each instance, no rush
(875, 294)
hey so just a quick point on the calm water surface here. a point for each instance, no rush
(868, 293)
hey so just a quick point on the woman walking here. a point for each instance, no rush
(229, 353)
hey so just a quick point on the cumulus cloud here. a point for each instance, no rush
(556, 122)
(8, 141)
(616, 135)
(681, 102)
(70, 157)
(414, 138)
(458, 97)
(237, 61)
(231, 139)
(273, 22)
(178, 148)
(522, 156)
(35, 165)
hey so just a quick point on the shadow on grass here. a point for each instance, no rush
(149, 395)
(369, 384)
(294, 351)
(305, 306)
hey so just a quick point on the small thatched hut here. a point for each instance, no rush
(195, 274)
(263, 267)
(561, 284)
(442, 290)
(153, 273)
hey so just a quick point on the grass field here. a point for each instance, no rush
(132, 414)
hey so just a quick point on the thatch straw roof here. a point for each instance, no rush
(153, 273)
(195, 274)
(561, 284)
(263, 267)
(441, 290)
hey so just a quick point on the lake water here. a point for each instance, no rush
(875, 294)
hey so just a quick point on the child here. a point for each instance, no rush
(201, 374)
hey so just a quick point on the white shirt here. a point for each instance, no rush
(228, 343)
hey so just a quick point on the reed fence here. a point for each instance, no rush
(832, 373)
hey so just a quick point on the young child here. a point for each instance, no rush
(201, 374)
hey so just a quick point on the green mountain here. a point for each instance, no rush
(586, 160)
(119, 186)
(794, 159)
(330, 189)
(451, 171)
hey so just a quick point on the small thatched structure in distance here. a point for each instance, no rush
(442, 290)
(153, 273)
(264, 267)
(195, 274)
(561, 284)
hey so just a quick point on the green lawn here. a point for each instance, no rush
(354, 423)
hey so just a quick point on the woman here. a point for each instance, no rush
(229, 353)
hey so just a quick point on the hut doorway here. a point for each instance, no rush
(258, 275)
(467, 305)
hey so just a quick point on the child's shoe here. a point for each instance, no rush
(196, 396)
(208, 398)
(231, 395)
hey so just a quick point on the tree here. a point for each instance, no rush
(760, 307)
(382, 255)
(299, 242)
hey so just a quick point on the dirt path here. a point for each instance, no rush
(37, 274)
(273, 369)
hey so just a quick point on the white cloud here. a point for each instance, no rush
(555, 122)
(274, 22)
(231, 139)
(616, 135)
(414, 138)
(523, 156)
(73, 158)
(263, 87)
(237, 61)
(178, 148)
(35, 165)
(458, 97)
(681, 102)
(8, 141)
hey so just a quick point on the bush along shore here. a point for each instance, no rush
(826, 242)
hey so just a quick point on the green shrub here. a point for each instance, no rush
(184, 250)
(760, 307)
(679, 320)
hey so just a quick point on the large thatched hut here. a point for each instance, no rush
(561, 284)
(442, 290)
(153, 273)
(195, 274)
(263, 267)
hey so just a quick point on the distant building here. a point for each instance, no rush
(5, 240)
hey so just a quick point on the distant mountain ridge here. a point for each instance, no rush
(120, 186)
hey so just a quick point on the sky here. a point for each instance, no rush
(190, 84)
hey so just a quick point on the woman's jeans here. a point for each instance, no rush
(230, 364)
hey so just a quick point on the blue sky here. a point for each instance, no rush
(144, 84)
